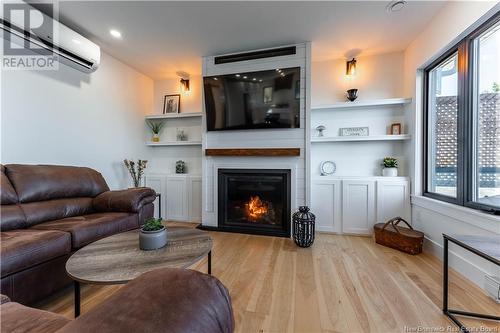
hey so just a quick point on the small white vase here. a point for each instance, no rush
(390, 172)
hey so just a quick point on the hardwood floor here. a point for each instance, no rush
(341, 284)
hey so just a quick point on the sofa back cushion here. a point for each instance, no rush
(12, 217)
(47, 182)
(11, 214)
(8, 195)
(48, 192)
(43, 211)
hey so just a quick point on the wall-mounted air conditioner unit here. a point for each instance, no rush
(71, 48)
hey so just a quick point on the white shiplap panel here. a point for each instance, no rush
(291, 138)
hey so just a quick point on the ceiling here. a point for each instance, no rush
(161, 38)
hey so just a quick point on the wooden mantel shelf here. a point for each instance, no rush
(274, 152)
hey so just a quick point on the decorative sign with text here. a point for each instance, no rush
(354, 131)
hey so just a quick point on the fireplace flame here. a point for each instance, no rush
(256, 208)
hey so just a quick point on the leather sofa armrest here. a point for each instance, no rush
(4, 299)
(177, 301)
(128, 201)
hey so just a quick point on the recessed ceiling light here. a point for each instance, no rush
(115, 33)
(215, 78)
(254, 79)
(395, 5)
(237, 75)
(245, 77)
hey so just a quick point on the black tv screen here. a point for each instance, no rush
(253, 100)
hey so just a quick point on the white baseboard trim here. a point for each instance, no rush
(457, 262)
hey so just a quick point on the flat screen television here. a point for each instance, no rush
(253, 100)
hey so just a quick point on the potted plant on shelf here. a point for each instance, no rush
(153, 235)
(390, 167)
(155, 127)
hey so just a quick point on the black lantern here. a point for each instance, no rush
(303, 227)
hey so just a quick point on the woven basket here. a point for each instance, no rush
(400, 238)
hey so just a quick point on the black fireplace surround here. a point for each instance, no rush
(254, 201)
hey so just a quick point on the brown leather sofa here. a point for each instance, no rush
(48, 212)
(165, 300)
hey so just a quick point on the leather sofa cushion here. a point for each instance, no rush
(22, 319)
(25, 248)
(86, 229)
(38, 212)
(164, 300)
(8, 195)
(46, 182)
(12, 217)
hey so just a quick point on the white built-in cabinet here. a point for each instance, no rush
(180, 195)
(393, 199)
(358, 206)
(326, 205)
(354, 205)
(177, 198)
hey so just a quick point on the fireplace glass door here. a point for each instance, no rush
(255, 201)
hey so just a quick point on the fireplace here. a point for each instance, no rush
(255, 201)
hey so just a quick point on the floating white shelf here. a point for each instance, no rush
(175, 115)
(363, 104)
(362, 138)
(173, 143)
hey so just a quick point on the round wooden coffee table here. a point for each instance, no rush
(117, 259)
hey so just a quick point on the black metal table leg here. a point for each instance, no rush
(450, 313)
(210, 263)
(77, 298)
(158, 195)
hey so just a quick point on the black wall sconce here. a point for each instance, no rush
(350, 69)
(185, 85)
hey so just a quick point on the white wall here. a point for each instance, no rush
(162, 159)
(71, 118)
(378, 76)
(434, 218)
(190, 102)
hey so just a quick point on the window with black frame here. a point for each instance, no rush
(462, 122)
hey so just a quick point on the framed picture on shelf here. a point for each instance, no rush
(396, 129)
(268, 95)
(171, 104)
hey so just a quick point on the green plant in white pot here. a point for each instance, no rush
(153, 235)
(390, 167)
(155, 127)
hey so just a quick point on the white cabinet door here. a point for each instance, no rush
(177, 198)
(358, 206)
(158, 183)
(194, 199)
(325, 204)
(393, 199)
